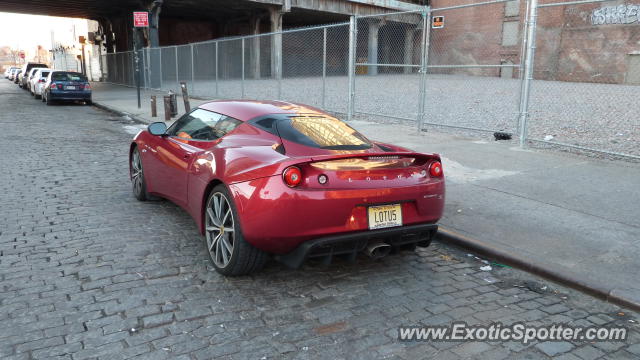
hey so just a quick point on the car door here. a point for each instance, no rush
(188, 136)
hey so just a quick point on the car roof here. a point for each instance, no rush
(245, 110)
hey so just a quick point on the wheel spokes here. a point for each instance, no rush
(220, 229)
(136, 172)
(212, 217)
(215, 241)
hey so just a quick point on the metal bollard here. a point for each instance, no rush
(185, 96)
(173, 104)
(154, 107)
(167, 108)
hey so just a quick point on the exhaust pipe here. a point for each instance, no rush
(378, 250)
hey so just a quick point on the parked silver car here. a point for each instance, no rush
(38, 81)
(8, 71)
(29, 77)
(23, 78)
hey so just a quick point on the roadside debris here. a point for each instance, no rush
(499, 135)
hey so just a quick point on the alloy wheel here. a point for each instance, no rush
(220, 229)
(137, 176)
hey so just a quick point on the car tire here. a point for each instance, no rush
(243, 258)
(137, 176)
(88, 102)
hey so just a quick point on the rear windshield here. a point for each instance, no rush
(319, 131)
(62, 76)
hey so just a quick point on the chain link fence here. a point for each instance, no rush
(473, 73)
(586, 76)
(471, 66)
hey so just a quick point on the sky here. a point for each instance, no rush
(27, 31)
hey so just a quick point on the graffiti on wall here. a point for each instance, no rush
(619, 14)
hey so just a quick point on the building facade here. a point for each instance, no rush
(586, 43)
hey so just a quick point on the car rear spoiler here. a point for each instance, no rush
(376, 156)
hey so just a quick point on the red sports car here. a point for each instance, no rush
(265, 178)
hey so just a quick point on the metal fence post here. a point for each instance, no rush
(278, 38)
(532, 17)
(324, 66)
(122, 73)
(242, 63)
(193, 72)
(216, 69)
(159, 50)
(424, 63)
(177, 75)
(352, 65)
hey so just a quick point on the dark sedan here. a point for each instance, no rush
(66, 86)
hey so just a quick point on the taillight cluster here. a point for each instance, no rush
(435, 169)
(292, 176)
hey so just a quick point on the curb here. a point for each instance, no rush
(629, 299)
(119, 112)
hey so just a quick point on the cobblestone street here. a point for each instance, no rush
(88, 272)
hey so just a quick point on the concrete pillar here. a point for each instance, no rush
(372, 47)
(154, 23)
(254, 60)
(275, 15)
(409, 38)
(109, 38)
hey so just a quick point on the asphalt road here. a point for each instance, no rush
(88, 272)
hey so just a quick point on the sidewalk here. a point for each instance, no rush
(577, 214)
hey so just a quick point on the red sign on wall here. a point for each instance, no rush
(140, 19)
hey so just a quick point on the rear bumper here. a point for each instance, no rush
(350, 245)
(69, 96)
(278, 219)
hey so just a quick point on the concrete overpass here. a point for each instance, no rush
(183, 21)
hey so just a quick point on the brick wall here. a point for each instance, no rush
(474, 36)
(568, 47)
(571, 48)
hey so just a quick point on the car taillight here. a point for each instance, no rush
(435, 169)
(87, 87)
(292, 176)
(53, 86)
(43, 80)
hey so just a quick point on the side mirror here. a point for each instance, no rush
(157, 128)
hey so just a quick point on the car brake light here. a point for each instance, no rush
(435, 169)
(292, 176)
(53, 86)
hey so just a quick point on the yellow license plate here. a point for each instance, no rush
(385, 216)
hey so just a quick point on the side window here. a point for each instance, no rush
(202, 125)
(226, 125)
